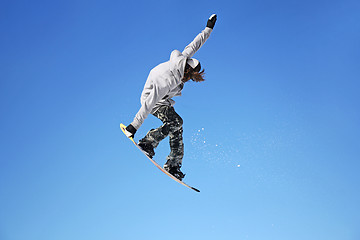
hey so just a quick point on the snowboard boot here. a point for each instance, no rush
(147, 148)
(175, 171)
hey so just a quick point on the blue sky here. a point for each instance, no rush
(271, 137)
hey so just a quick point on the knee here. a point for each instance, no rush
(176, 124)
(180, 122)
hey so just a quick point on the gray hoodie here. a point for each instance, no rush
(164, 81)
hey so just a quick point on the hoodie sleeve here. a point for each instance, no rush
(196, 44)
(155, 95)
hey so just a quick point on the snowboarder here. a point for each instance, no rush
(164, 82)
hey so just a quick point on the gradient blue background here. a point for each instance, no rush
(271, 138)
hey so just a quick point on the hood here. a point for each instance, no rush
(177, 65)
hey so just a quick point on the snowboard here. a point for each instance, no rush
(122, 126)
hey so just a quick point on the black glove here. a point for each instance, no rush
(130, 131)
(211, 21)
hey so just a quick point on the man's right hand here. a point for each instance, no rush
(130, 131)
(211, 21)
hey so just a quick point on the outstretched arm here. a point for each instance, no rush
(201, 38)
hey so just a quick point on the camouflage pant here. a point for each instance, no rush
(172, 127)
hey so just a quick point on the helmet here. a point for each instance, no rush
(195, 64)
